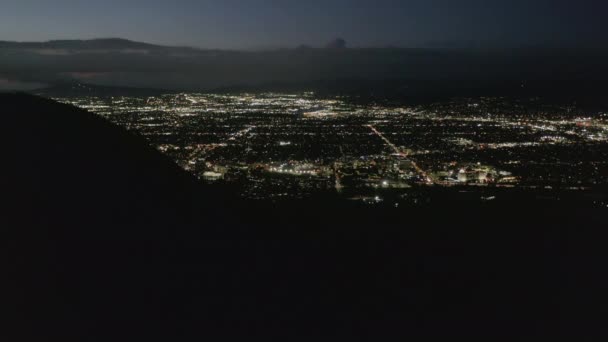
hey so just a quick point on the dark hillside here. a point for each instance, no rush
(67, 162)
(104, 239)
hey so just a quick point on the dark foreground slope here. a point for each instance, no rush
(71, 165)
(106, 240)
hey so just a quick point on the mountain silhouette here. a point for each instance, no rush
(89, 206)
(86, 166)
(124, 63)
(104, 238)
(79, 44)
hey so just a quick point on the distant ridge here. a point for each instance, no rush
(90, 44)
(124, 63)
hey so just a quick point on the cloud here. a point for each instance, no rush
(85, 75)
(52, 52)
(8, 84)
(337, 43)
(135, 51)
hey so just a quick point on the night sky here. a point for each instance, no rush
(272, 23)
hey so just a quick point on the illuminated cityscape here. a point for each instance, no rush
(285, 146)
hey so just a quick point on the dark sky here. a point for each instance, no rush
(274, 23)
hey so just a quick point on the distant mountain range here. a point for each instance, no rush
(124, 63)
(91, 45)
(103, 43)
